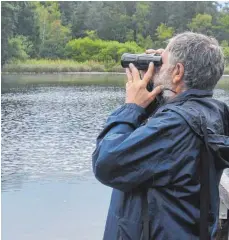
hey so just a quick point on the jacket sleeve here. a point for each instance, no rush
(128, 154)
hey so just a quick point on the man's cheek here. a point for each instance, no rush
(156, 80)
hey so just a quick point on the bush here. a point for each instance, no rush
(85, 49)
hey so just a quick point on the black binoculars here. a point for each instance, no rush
(140, 61)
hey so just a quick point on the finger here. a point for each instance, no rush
(134, 72)
(156, 91)
(149, 74)
(148, 51)
(160, 51)
(129, 75)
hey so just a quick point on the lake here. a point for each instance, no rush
(49, 127)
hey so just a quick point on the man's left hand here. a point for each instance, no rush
(136, 91)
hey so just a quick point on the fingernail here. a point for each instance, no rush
(151, 64)
(131, 65)
(162, 87)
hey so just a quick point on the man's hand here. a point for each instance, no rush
(136, 91)
(158, 51)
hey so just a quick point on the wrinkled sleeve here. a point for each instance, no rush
(128, 154)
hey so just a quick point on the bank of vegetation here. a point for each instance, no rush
(34, 66)
(59, 66)
(92, 36)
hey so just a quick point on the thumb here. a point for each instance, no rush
(156, 91)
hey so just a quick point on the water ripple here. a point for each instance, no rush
(50, 131)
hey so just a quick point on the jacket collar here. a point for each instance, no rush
(191, 93)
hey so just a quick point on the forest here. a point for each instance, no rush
(99, 32)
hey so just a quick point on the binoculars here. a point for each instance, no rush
(140, 61)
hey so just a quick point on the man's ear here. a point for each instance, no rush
(178, 73)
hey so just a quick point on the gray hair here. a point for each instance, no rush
(201, 56)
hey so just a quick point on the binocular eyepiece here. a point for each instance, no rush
(140, 61)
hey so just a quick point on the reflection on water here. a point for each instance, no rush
(49, 127)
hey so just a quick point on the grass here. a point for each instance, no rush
(57, 66)
(226, 70)
(51, 66)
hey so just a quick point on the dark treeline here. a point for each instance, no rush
(52, 29)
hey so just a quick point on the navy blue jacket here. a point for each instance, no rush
(162, 155)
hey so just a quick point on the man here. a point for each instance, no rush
(159, 160)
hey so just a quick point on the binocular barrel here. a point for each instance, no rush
(140, 61)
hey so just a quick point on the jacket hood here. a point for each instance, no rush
(199, 109)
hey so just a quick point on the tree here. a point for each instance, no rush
(9, 19)
(50, 25)
(225, 47)
(145, 43)
(201, 23)
(55, 41)
(78, 20)
(27, 25)
(140, 17)
(164, 32)
(53, 35)
(19, 48)
(223, 21)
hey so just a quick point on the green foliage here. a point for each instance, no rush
(225, 47)
(130, 35)
(19, 48)
(140, 18)
(9, 18)
(201, 23)
(91, 34)
(53, 35)
(27, 25)
(145, 43)
(50, 66)
(84, 49)
(164, 32)
(103, 30)
(53, 47)
(223, 21)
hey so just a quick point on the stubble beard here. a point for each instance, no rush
(164, 78)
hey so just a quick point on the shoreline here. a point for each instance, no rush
(63, 73)
(72, 73)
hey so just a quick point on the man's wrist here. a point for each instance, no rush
(129, 113)
(136, 107)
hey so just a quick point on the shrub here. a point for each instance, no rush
(85, 49)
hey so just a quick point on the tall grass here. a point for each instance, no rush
(55, 66)
(51, 66)
(226, 70)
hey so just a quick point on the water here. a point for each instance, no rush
(49, 127)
